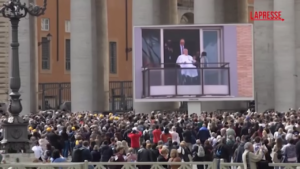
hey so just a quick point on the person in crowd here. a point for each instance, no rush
(259, 145)
(38, 151)
(131, 155)
(175, 135)
(198, 153)
(71, 136)
(237, 157)
(289, 150)
(174, 157)
(86, 151)
(135, 138)
(43, 143)
(203, 133)
(184, 152)
(222, 151)
(156, 134)
(144, 155)
(269, 134)
(163, 157)
(269, 145)
(65, 141)
(125, 146)
(298, 149)
(276, 133)
(188, 137)
(230, 131)
(106, 152)
(118, 157)
(279, 134)
(208, 148)
(56, 157)
(95, 154)
(53, 138)
(276, 153)
(47, 153)
(165, 136)
(250, 158)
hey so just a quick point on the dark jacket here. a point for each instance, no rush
(244, 130)
(239, 153)
(160, 158)
(224, 152)
(298, 150)
(106, 153)
(195, 153)
(54, 140)
(86, 154)
(119, 159)
(144, 155)
(208, 153)
(187, 136)
(95, 156)
(203, 134)
(185, 155)
(179, 131)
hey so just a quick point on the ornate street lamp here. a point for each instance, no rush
(15, 137)
(49, 37)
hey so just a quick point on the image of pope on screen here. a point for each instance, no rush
(188, 71)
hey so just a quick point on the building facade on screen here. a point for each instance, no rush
(193, 63)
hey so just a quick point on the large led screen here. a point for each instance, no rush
(203, 61)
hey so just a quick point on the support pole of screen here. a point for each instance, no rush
(194, 107)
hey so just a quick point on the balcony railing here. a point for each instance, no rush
(172, 80)
(134, 165)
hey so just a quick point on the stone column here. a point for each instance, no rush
(297, 25)
(82, 47)
(204, 12)
(243, 13)
(169, 12)
(146, 12)
(102, 55)
(263, 59)
(284, 56)
(230, 11)
(219, 11)
(4, 58)
(27, 63)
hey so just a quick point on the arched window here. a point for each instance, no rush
(187, 18)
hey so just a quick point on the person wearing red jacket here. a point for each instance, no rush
(156, 135)
(135, 138)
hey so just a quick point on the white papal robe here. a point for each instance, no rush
(186, 61)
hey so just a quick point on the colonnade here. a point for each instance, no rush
(276, 45)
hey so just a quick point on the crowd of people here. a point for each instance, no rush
(254, 139)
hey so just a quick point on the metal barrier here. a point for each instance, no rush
(121, 95)
(223, 165)
(52, 95)
(106, 165)
(220, 164)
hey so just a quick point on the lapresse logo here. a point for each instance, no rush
(266, 16)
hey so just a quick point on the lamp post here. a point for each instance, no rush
(49, 36)
(15, 137)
